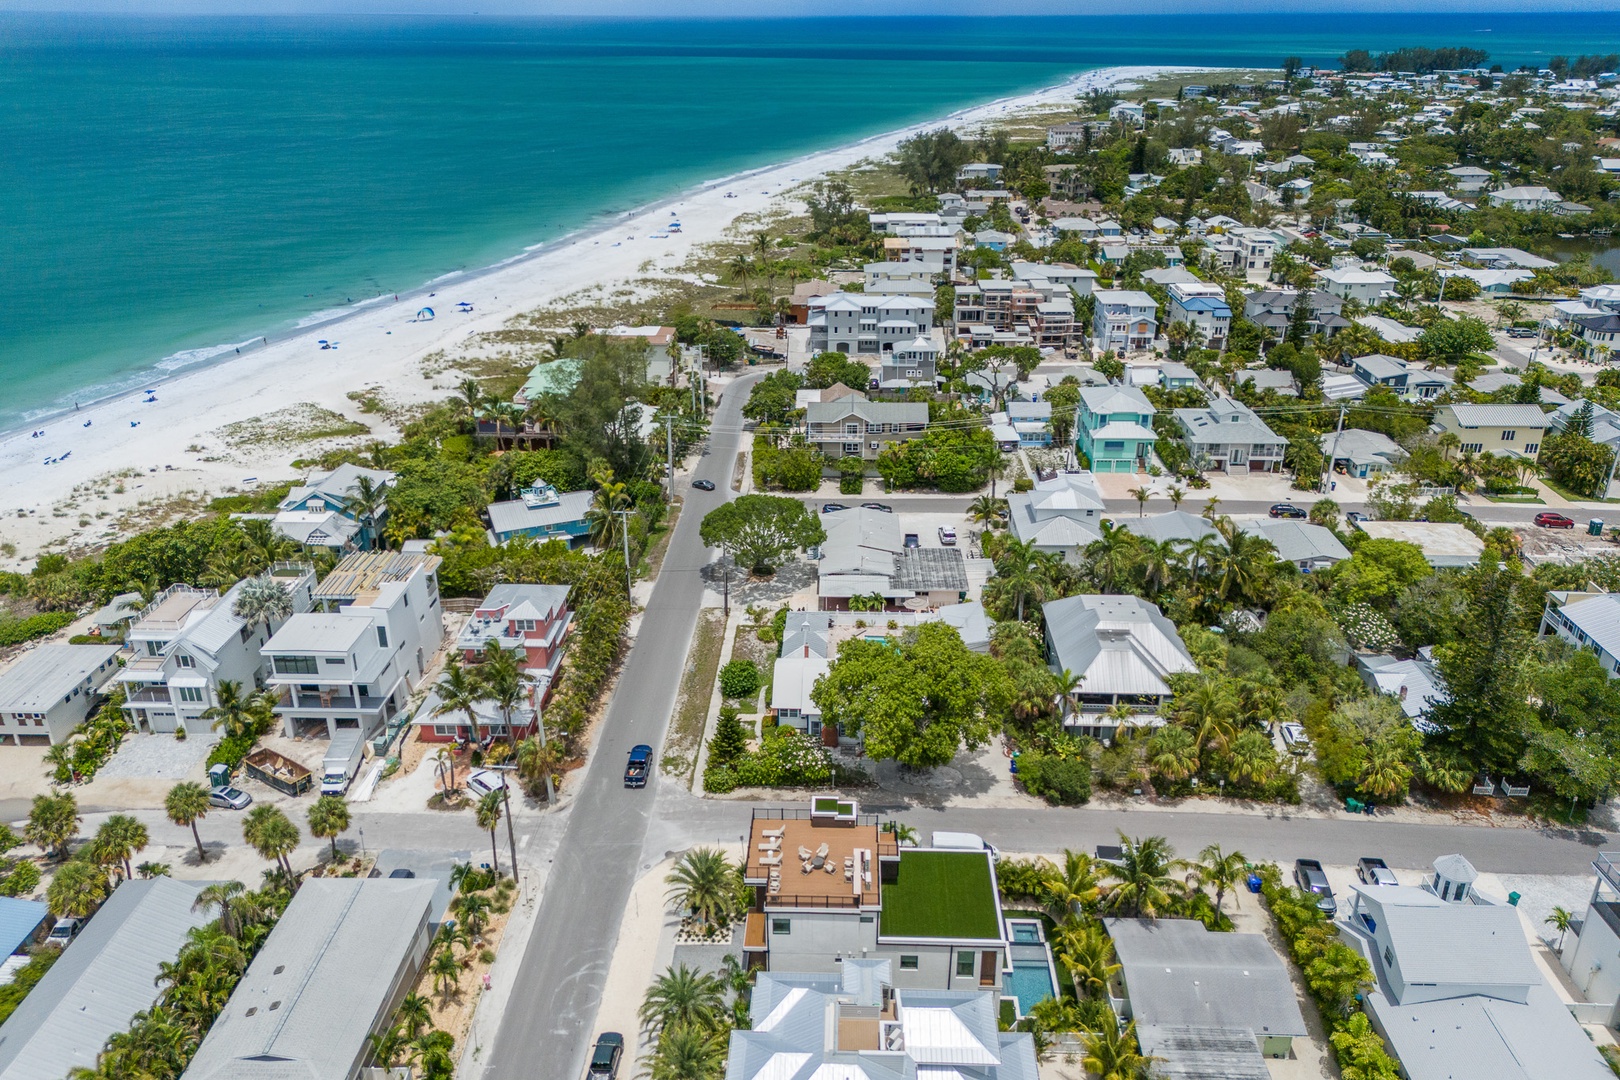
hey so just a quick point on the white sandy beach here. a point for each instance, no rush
(380, 345)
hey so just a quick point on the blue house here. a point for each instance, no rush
(542, 514)
(1116, 428)
(1032, 420)
(329, 512)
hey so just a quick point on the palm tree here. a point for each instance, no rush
(153, 870)
(602, 519)
(236, 712)
(1172, 753)
(472, 396)
(1022, 574)
(1141, 495)
(1246, 561)
(539, 760)
(264, 545)
(1157, 561)
(1071, 889)
(262, 600)
(1112, 555)
(458, 691)
(1175, 494)
(368, 498)
(740, 267)
(1142, 882)
(446, 972)
(1560, 920)
(474, 910)
(1201, 554)
(1088, 953)
(222, 895)
(986, 510)
(1209, 506)
(414, 1014)
(119, 839)
(77, 890)
(329, 817)
(1384, 771)
(1209, 711)
(681, 997)
(272, 834)
(1067, 685)
(1112, 1054)
(1447, 442)
(186, 804)
(1220, 869)
(488, 814)
(387, 1046)
(1252, 759)
(688, 1052)
(501, 680)
(52, 822)
(702, 883)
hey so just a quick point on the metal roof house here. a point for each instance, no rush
(323, 512)
(1362, 453)
(1058, 514)
(1309, 547)
(102, 980)
(540, 512)
(1206, 1004)
(855, 1025)
(1229, 436)
(1586, 621)
(48, 690)
(1457, 992)
(339, 960)
(1124, 648)
(865, 553)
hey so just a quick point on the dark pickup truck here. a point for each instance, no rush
(1308, 875)
(635, 770)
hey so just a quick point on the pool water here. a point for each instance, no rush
(1025, 933)
(1029, 982)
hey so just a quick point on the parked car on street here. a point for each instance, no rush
(1287, 510)
(913, 540)
(402, 872)
(605, 1056)
(229, 798)
(832, 508)
(877, 506)
(1373, 871)
(1549, 520)
(703, 485)
(64, 932)
(947, 536)
(1309, 876)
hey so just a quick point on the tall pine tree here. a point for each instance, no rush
(1485, 714)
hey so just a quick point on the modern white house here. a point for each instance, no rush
(1525, 197)
(1124, 320)
(861, 324)
(50, 689)
(1586, 620)
(806, 655)
(354, 662)
(1354, 283)
(189, 640)
(1124, 649)
(1202, 306)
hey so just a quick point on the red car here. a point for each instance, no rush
(1550, 520)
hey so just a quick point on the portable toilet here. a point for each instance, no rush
(1594, 527)
(219, 775)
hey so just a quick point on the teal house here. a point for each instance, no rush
(1116, 428)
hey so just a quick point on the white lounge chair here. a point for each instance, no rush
(821, 851)
(774, 834)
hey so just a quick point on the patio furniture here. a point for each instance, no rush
(804, 852)
(774, 834)
(831, 867)
(817, 862)
(805, 867)
(821, 852)
(849, 873)
(771, 860)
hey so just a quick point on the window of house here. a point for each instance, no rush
(1532, 448)
(447, 730)
(852, 448)
(964, 964)
(908, 963)
(1472, 447)
(185, 661)
(191, 693)
(866, 918)
(335, 661)
(382, 637)
(1509, 436)
(781, 926)
(295, 665)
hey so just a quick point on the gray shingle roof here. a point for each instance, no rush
(1176, 972)
(102, 980)
(321, 984)
(931, 570)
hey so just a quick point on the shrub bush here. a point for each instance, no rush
(231, 750)
(739, 679)
(729, 741)
(1060, 781)
(17, 631)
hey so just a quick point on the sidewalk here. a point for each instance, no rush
(492, 1005)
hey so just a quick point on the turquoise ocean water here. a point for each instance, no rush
(168, 185)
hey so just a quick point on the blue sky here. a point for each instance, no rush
(753, 9)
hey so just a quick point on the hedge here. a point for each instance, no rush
(17, 631)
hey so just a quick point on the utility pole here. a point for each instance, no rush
(725, 604)
(624, 529)
(1339, 431)
(669, 448)
(506, 805)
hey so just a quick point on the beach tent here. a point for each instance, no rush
(425, 315)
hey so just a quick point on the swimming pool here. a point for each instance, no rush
(1025, 933)
(1029, 981)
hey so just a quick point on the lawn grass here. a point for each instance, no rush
(941, 894)
(1572, 496)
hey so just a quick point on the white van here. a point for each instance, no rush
(963, 841)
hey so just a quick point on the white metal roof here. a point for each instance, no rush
(45, 674)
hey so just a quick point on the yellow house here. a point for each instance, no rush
(1516, 430)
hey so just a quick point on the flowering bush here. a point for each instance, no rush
(785, 758)
(1367, 628)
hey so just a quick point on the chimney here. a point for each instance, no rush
(807, 652)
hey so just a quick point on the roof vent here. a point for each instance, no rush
(251, 1011)
(283, 967)
(274, 1005)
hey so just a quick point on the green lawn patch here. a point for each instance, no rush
(1575, 496)
(941, 894)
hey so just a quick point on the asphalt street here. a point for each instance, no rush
(546, 1030)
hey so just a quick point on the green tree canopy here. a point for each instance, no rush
(917, 701)
(828, 368)
(762, 530)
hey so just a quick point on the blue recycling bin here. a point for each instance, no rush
(1254, 883)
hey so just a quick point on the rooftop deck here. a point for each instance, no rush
(852, 850)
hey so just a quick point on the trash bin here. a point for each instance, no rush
(1354, 806)
(1594, 527)
(1254, 883)
(1513, 898)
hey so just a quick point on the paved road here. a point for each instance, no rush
(546, 1030)
(685, 820)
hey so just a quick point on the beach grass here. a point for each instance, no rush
(1168, 84)
(302, 422)
(685, 736)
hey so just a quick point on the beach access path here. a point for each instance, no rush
(173, 444)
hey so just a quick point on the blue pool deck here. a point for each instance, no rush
(1033, 977)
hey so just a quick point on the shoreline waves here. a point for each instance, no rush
(381, 345)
